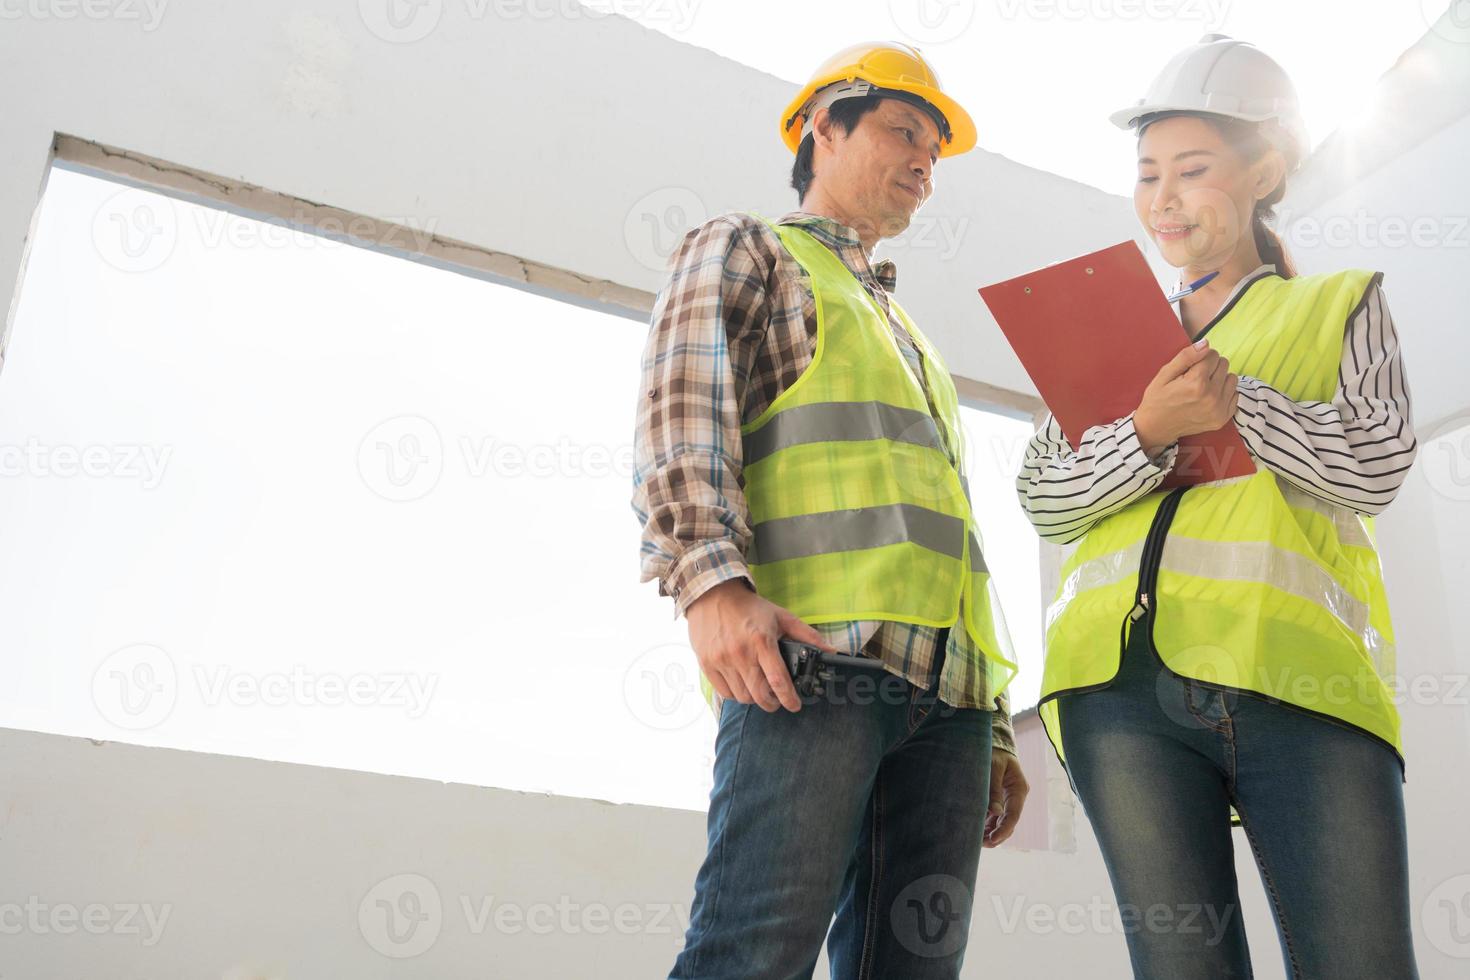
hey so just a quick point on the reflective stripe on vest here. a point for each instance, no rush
(805, 535)
(1261, 587)
(841, 422)
(1245, 561)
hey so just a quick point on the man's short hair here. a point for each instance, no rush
(845, 113)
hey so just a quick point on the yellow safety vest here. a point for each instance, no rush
(1246, 584)
(857, 511)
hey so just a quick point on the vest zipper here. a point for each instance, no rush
(1145, 600)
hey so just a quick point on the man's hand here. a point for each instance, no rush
(733, 632)
(1195, 392)
(1008, 791)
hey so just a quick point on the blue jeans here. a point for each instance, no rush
(869, 802)
(1157, 760)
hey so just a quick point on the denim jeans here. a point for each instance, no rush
(1157, 760)
(869, 802)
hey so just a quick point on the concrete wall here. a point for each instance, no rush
(137, 863)
(155, 863)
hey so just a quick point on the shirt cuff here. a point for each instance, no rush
(1248, 404)
(702, 568)
(1134, 456)
(1002, 733)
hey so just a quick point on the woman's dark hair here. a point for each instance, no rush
(845, 113)
(1247, 139)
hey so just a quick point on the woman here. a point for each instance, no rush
(1221, 654)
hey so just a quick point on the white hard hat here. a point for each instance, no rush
(1225, 77)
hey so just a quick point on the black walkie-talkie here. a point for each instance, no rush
(811, 667)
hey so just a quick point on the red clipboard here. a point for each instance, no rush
(1092, 332)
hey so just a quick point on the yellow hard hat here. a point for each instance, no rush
(888, 69)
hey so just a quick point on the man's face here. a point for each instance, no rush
(883, 171)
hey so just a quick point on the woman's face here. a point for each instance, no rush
(1195, 194)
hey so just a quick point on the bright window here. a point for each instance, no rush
(995, 446)
(272, 495)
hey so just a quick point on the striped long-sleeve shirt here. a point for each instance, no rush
(1353, 451)
(734, 326)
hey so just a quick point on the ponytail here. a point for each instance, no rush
(1268, 242)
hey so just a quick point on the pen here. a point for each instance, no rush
(1192, 286)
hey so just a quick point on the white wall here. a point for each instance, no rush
(1375, 222)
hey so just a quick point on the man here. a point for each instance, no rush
(800, 474)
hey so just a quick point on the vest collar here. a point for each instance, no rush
(1250, 277)
(844, 242)
(1260, 272)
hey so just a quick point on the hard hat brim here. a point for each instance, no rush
(961, 126)
(1127, 118)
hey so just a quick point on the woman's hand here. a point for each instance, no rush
(1195, 392)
